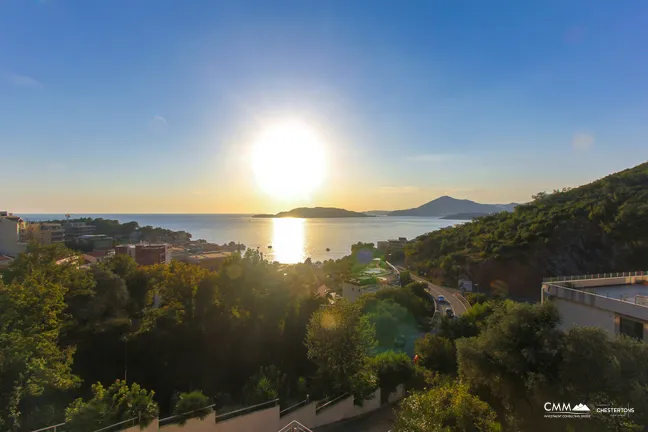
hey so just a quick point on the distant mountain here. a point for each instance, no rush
(378, 212)
(445, 205)
(314, 212)
(464, 216)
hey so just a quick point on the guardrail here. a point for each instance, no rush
(331, 402)
(113, 427)
(186, 415)
(238, 412)
(594, 276)
(580, 295)
(53, 428)
(295, 407)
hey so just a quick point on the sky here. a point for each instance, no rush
(147, 106)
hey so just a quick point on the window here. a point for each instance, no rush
(631, 328)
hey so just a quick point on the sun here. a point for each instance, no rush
(288, 160)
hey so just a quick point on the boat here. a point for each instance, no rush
(269, 246)
(328, 250)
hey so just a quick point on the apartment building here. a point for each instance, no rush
(146, 254)
(44, 233)
(614, 302)
(12, 234)
(74, 230)
(392, 245)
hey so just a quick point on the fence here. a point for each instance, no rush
(594, 276)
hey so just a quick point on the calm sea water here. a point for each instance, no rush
(292, 240)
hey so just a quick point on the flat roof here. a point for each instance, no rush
(619, 292)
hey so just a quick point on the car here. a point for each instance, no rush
(441, 299)
(449, 313)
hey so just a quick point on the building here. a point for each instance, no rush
(392, 245)
(97, 257)
(146, 254)
(44, 233)
(74, 230)
(94, 242)
(12, 234)
(208, 260)
(616, 303)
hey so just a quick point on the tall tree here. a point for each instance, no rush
(339, 339)
(31, 360)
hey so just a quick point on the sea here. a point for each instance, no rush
(285, 240)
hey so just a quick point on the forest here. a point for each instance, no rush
(596, 228)
(177, 336)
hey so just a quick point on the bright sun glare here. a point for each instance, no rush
(289, 161)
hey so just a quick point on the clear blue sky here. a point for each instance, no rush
(151, 106)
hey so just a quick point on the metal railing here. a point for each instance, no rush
(294, 407)
(294, 426)
(595, 276)
(185, 416)
(113, 427)
(579, 295)
(246, 410)
(331, 402)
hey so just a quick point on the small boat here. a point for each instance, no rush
(328, 250)
(269, 246)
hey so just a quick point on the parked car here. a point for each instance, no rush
(441, 299)
(449, 313)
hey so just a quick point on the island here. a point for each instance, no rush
(314, 212)
(464, 216)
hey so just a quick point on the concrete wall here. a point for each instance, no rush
(152, 427)
(590, 283)
(266, 420)
(336, 412)
(397, 395)
(304, 415)
(208, 424)
(577, 314)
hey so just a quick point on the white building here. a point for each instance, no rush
(616, 303)
(12, 232)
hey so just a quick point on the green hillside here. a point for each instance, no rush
(599, 227)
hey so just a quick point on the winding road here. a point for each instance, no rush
(453, 297)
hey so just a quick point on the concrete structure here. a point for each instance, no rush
(392, 245)
(5, 261)
(97, 257)
(616, 303)
(12, 234)
(44, 233)
(95, 242)
(146, 254)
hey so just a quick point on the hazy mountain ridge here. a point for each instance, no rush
(446, 205)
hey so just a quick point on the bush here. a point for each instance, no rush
(391, 369)
(193, 405)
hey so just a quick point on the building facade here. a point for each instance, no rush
(392, 245)
(44, 233)
(616, 303)
(12, 234)
(95, 242)
(146, 254)
(74, 230)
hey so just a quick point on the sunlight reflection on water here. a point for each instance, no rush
(288, 245)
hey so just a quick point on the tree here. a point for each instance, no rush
(122, 265)
(339, 339)
(436, 353)
(31, 360)
(391, 369)
(109, 406)
(515, 360)
(267, 384)
(405, 278)
(447, 408)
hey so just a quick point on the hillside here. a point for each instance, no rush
(314, 212)
(445, 205)
(599, 227)
(464, 216)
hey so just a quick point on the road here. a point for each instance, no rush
(450, 294)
